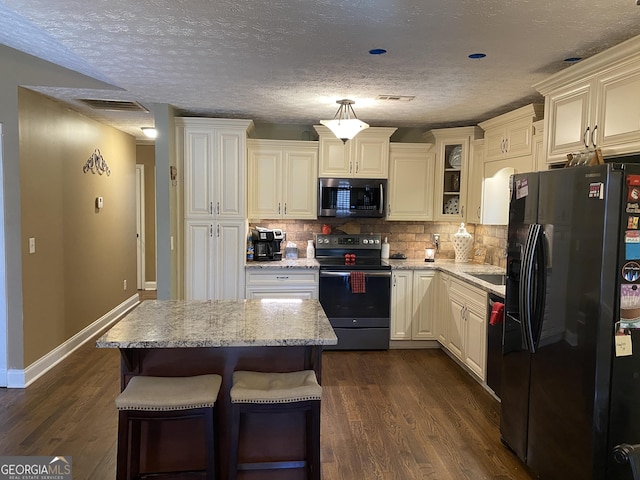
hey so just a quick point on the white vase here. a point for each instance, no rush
(311, 252)
(462, 244)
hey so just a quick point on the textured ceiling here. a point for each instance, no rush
(287, 61)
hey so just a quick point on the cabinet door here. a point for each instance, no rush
(264, 180)
(230, 174)
(518, 138)
(618, 118)
(371, 156)
(401, 307)
(475, 336)
(300, 197)
(199, 260)
(422, 323)
(494, 141)
(410, 183)
(230, 248)
(334, 158)
(198, 172)
(455, 338)
(567, 117)
(443, 318)
(474, 186)
(451, 180)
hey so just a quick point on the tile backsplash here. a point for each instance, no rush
(409, 238)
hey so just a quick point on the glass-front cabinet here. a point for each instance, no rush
(452, 167)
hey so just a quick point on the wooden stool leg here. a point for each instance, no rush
(210, 444)
(313, 441)
(234, 442)
(123, 446)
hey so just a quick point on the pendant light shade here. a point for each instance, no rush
(345, 125)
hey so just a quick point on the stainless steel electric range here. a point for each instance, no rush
(355, 290)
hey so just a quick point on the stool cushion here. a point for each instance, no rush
(266, 387)
(169, 393)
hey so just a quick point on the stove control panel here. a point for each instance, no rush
(352, 242)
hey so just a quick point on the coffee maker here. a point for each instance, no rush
(266, 243)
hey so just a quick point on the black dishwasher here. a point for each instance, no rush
(494, 344)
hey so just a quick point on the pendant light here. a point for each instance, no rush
(345, 125)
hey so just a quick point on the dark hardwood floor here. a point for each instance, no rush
(396, 415)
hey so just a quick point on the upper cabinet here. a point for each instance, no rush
(474, 186)
(364, 156)
(282, 179)
(213, 153)
(411, 170)
(510, 135)
(451, 170)
(595, 103)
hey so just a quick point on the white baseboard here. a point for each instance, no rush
(23, 378)
(150, 285)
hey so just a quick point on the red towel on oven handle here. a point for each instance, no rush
(357, 282)
(497, 313)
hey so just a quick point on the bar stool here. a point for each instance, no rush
(147, 399)
(258, 392)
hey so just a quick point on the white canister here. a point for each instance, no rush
(385, 249)
(311, 252)
(462, 244)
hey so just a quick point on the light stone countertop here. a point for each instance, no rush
(222, 323)
(302, 263)
(461, 271)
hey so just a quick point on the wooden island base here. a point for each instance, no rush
(178, 445)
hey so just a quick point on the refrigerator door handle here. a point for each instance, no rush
(526, 285)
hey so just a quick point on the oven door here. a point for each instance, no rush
(360, 320)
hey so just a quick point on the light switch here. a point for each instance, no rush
(99, 202)
(32, 245)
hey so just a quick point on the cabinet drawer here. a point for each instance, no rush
(282, 277)
(468, 292)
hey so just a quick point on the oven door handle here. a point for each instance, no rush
(329, 273)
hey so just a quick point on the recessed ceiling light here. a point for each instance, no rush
(572, 59)
(377, 51)
(477, 55)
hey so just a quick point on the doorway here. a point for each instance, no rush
(140, 222)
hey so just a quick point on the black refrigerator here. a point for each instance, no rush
(571, 345)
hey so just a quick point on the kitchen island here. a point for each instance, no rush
(175, 337)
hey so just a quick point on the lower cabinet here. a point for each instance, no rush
(215, 253)
(413, 296)
(466, 325)
(281, 283)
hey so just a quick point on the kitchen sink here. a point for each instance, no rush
(492, 278)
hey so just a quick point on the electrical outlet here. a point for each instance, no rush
(125, 284)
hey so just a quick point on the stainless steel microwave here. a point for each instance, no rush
(351, 197)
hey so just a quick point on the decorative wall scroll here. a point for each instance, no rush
(97, 164)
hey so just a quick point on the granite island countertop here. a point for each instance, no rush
(221, 323)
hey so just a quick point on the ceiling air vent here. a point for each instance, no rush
(114, 105)
(396, 98)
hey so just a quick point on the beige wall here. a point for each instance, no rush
(83, 255)
(146, 155)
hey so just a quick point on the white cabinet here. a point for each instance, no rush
(452, 167)
(413, 297)
(595, 103)
(474, 187)
(281, 283)
(511, 134)
(466, 335)
(282, 179)
(214, 167)
(212, 155)
(411, 174)
(364, 156)
(214, 259)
